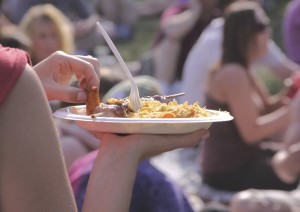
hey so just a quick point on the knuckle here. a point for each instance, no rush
(90, 66)
(58, 53)
(95, 61)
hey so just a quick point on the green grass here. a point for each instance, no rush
(141, 42)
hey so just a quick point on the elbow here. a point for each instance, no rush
(251, 133)
(250, 138)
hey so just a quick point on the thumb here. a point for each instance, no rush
(66, 94)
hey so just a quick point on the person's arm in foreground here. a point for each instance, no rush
(33, 176)
(115, 167)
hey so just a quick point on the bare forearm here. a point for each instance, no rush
(111, 182)
(277, 101)
(269, 124)
(179, 25)
(30, 152)
(115, 168)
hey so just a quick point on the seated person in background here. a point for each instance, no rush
(31, 157)
(81, 13)
(235, 156)
(291, 30)
(286, 163)
(208, 50)
(49, 30)
(180, 27)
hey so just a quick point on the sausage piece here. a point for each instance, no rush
(92, 100)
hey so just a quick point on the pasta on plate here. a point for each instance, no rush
(152, 108)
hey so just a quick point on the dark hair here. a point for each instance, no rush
(243, 21)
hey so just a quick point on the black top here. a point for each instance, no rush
(225, 149)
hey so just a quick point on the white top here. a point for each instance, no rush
(206, 53)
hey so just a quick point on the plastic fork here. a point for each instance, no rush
(134, 97)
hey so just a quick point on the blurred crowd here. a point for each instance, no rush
(213, 51)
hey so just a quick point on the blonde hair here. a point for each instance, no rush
(62, 24)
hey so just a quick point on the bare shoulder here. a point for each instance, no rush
(28, 89)
(232, 76)
(230, 81)
(26, 100)
(30, 80)
(28, 74)
(233, 69)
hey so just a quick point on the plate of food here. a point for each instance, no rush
(158, 115)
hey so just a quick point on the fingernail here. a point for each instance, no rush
(80, 96)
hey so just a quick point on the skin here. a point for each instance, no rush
(56, 72)
(33, 176)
